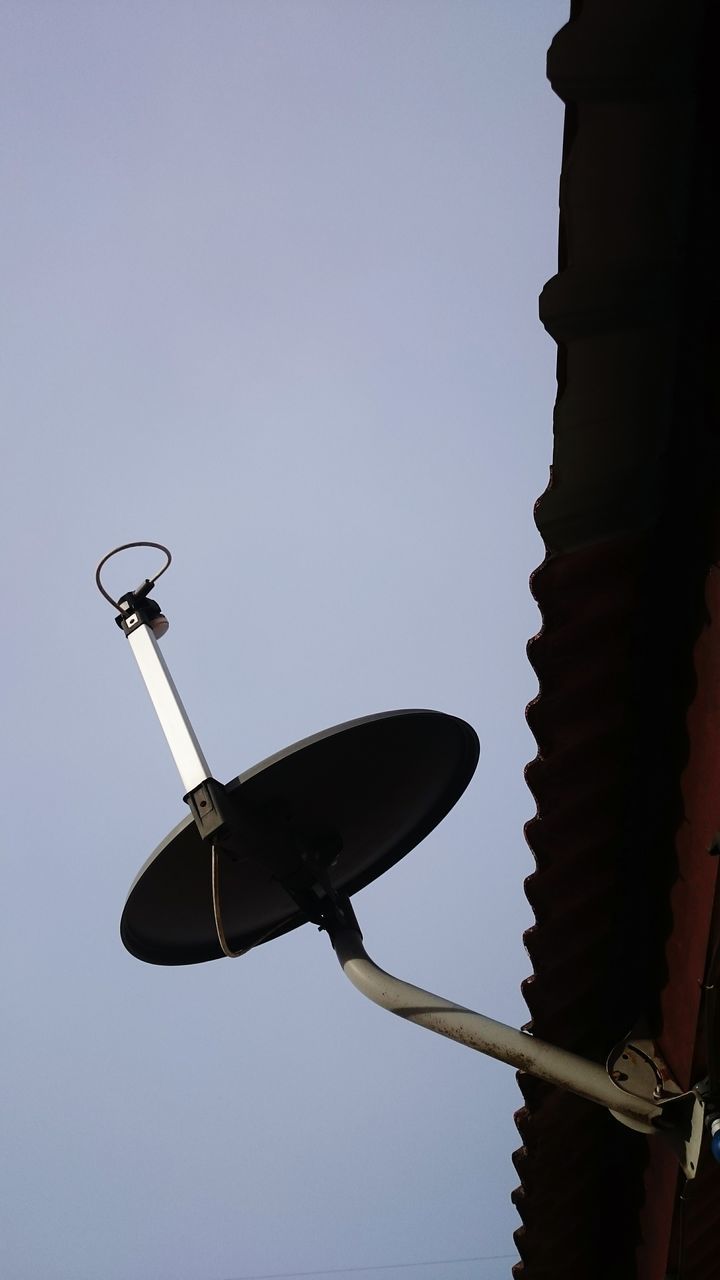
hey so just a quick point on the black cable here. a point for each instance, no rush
(126, 547)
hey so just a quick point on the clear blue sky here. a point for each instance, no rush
(271, 272)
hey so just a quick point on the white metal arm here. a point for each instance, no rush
(187, 753)
(518, 1048)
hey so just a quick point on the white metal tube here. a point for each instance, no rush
(518, 1048)
(187, 754)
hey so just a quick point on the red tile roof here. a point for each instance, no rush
(627, 721)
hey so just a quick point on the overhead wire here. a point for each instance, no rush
(385, 1266)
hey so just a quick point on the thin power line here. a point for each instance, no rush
(385, 1266)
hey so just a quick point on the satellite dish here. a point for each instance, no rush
(292, 839)
(358, 796)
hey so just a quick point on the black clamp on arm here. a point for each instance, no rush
(213, 809)
(137, 610)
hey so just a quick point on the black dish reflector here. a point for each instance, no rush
(363, 794)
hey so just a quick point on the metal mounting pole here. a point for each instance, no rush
(518, 1048)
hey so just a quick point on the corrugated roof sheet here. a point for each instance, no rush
(623, 886)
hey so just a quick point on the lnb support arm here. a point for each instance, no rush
(186, 750)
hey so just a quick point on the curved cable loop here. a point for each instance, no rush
(217, 914)
(126, 546)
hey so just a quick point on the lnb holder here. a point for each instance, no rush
(137, 610)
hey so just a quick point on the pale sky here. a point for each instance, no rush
(271, 272)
